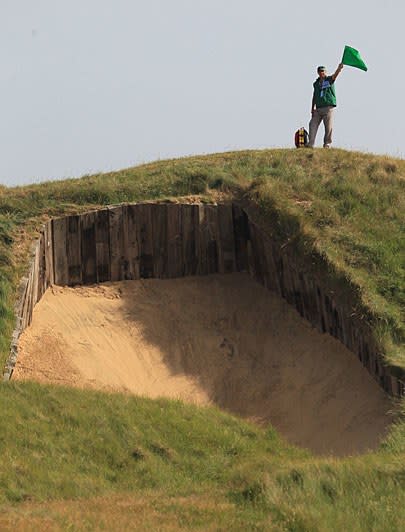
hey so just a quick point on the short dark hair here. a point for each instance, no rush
(320, 68)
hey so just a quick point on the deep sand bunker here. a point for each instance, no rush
(219, 339)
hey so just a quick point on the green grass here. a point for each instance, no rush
(346, 211)
(60, 443)
(69, 443)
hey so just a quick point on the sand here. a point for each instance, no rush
(220, 340)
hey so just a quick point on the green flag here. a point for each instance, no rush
(351, 57)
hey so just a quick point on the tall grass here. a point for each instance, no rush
(60, 443)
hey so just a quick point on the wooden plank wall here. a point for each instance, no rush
(277, 269)
(32, 288)
(173, 240)
(148, 240)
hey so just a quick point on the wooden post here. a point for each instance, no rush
(126, 273)
(102, 236)
(116, 237)
(212, 234)
(30, 294)
(241, 235)
(134, 242)
(143, 214)
(310, 302)
(202, 241)
(35, 274)
(159, 217)
(190, 238)
(273, 281)
(73, 250)
(259, 257)
(49, 267)
(59, 243)
(41, 265)
(227, 260)
(174, 242)
(88, 247)
(24, 304)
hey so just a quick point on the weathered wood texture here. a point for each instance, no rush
(149, 240)
(102, 238)
(277, 268)
(172, 240)
(32, 288)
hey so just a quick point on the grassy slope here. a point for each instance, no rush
(348, 206)
(59, 443)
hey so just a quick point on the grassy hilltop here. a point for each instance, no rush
(190, 467)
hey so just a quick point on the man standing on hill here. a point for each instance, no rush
(323, 103)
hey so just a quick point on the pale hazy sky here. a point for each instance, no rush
(97, 85)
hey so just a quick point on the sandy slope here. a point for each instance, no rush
(216, 339)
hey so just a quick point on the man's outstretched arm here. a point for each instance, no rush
(338, 71)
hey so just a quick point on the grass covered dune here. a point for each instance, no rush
(167, 463)
(199, 467)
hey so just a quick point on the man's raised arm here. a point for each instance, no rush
(338, 71)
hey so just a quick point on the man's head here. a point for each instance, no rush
(321, 71)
